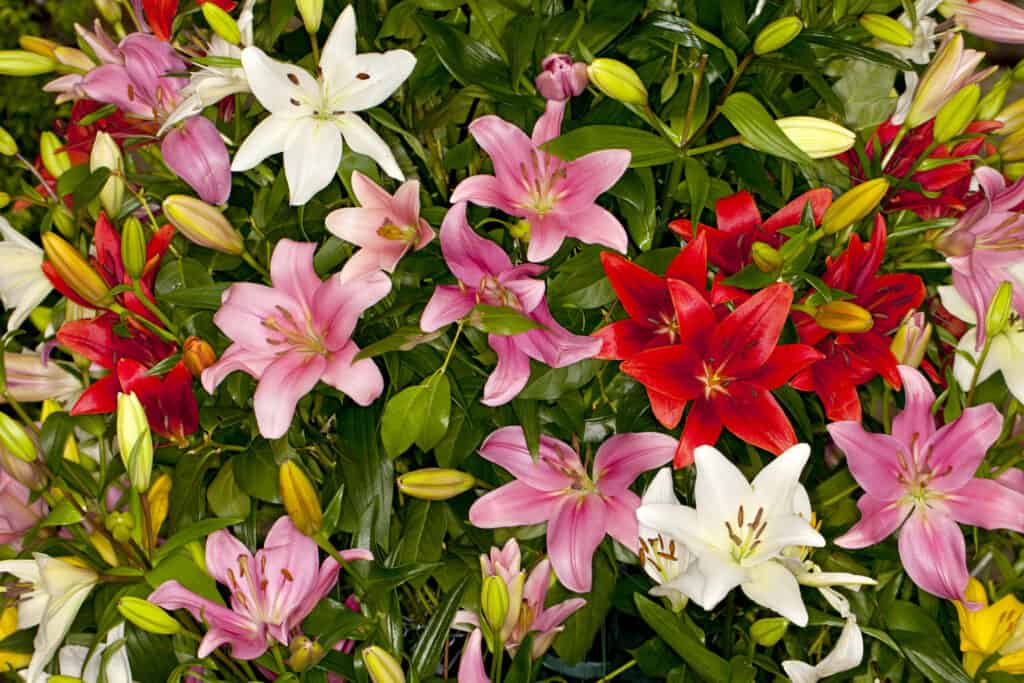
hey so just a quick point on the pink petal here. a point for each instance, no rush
(284, 382)
(370, 194)
(470, 257)
(593, 174)
(338, 304)
(471, 664)
(596, 225)
(514, 504)
(873, 459)
(226, 626)
(549, 125)
(960, 446)
(511, 373)
(506, 145)
(245, 646)
(361, 381)
(448, 304)
(916, 417)
(111, 83)
(555, 346)
(934, 555)
(535, 590)
(624, 457)
(236, 357)
(291, 270)
(1012, 478)
(289, 564)
(366, 262)
(878, 519)
(622, 524)
(554, 616)
(988, 504)
(506, 447)
(358, 225)
(196, 153)
(223, 552)
(244, 307)
(574, 533)
(520, 281)
(546, 237)
(484, 190)
(405, 205)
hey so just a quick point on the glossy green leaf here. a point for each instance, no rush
(427, 654)
(759, 129)
(502, 320)
(706, 664)
(647, 149)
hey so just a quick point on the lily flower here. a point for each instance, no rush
(998, 627)
(169, 401)
(52, 592)
(471, 663)
(853, 358)
(296, 333)
(22, 283)
(160, 14)
(310, 118)
(664, 557)
(738, 531)
(923, 30)
(921, 481)
(271, 592)
(726, 368)
(18, 513)
(847, 653)
(555, 488)
(995, 20)
(80, 662)
(385, 226)
(951, 69)
(31, 378)
(557, 198)
(486, 276)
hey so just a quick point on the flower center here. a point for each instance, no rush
(658, 554)
(714, 381)
(540, 182)
(747, 535)
(491, 292)
(397, 233)
(301, 336)
(667, 324)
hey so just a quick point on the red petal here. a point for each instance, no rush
(892, 296)
(874, 350)
(785, 361)
(160, 15)
(737, 213)
(99, 398)
(745, 339)
(693, 313)
(667, 410)
(691, 264)
(155, 251)
(854, 269)
(703, 427)
(820, 199)
(108, 252)
(670, 370)
(837, 392)
(625, 338)
(642, 293)
(753, 414)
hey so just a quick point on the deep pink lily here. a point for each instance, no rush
(579, 508)
(555, 196)
(921, 481)
(271, 592)
(486, 275)
(296, 333)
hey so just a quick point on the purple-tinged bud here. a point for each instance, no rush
(561, 78)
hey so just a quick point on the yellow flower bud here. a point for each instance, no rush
(494, 602)
(766, 258)
(134, 440)
(957, 114)
(11, 661)
(24, 63)
(618, 81)
(158, 501)
(854, 205)
(911, 340)
(110, 10)
(147, 616)
(197, 354)
(73, 57)
(305, 653)
(300, 499)
(777, 35)
(106, 154)
(8, 147)
(992, 102)
(312, 13)
(55, 157)
(222, 23)
(133, 247)
(15, 440)
(435, 483)
(64, 679)
(382, 667)
(844, 316)
(104, 548)
(76, 272)
(767, 632)
(817, 138)
(999, 309)
(39, 46)
(202, 224)
(887, 29)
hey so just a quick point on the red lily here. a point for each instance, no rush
(851, 359)
(169, 401)
(726, 368)
(160, 14)
(739, 226)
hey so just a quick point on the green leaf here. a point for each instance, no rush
(206, 298)
(635, 194)
(225, 497)
(90, 187)
(582, 627)
(647, 149)
(855, 50)
(402, 420)
(437, 410)
(427, 655)
(698, 184)
(704, 663)
(923, 643)
(179, 566)
(502, 320)
(63, 514)
(750, 277)
(53, 436)
(580, 281)
(550, 383)
(332, 514)
(193, 532)
(402, 339)
(468, 60)
(759, 129)
(606, 19)
(256, 475)
(70, 179)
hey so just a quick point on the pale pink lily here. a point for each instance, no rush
(951, 69)
(486, 276)
(471, 664)
(579, 508)
(921, 481)
(69, 86)
(555, 196)
(995, 20)
(385, 226)
(295, 334)
(18, 513)
(271, 592)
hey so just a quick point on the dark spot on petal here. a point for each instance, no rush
(293, 78)
(131, 92)
(294, 102)
(363, 76)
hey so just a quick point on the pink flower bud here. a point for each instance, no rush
(561, 78)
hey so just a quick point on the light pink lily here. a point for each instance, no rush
(921, 481)
(271, 592)
(486, 276)
(579, 509)
(471, 665)
(17, 513)
(385, 226)
(555, 196)
(995, 20)
(296, 333)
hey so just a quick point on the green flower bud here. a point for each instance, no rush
(887, 29)
(1012, 118)
(1018, 71)
(618, 81)
(817, 138)
(999, 309)
(854, 205)
(8, 147)
(120, 525)
(305, 654)
(148, 617)
(5, 199)
(312, 13)
(55, 157)
(110, 10)
(15, 440)
(992, 103)
(222, 23)
(494, 602)
(435, 483)
(382, 666)
(64, 220)
(134, 440)
(766, 258)
(1012, 147)
(521, 230)
(957, 113)
(767, 632)
(24, 63)
(777, 35)
(133, 247)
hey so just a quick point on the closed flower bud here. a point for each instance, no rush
(1012, 118)
(106, 154)
(73, 57)
(64, 220)
(999, 309)
(158, 500)
(120, 525)
(222, 23)
(104, 547)
(817, 138)
(494, 602)
(202, 224)
(844, 316)
(110, 10)
(55, 157)
(305, 654)
(312, 13)
(39, 46)
(561, 78)
(1014, 171)
(15, 440)
(198, 553)
(1012, 147)
(435, 483)
(1018, 71)
(854, 205)
(75, 271)
(766, 258)
(133, 247)
(911, 340)
(24, 63)
(5, 199)
(777, 35)
(992, 103)
(887, 29)
(63, 679)
(618, 81)
(134, 440)
(957, 113)
(8, 147)
(197, 354)
(300, 499)
(382, 667)
(767, 632)
(148, 617)
(521, 230)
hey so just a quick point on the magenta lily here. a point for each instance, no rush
(385, 226)
(555, 488)
(921, 481)
(555, 196)
(271, 592)
(295, 334)
(486, 275)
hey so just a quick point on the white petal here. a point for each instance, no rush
(279, 87)
(773, 586)
(311, 158)
(14, 237)
(72, 662)
(661, 489)
(678, 521)
(847, 654)
(721, 575)
(844, 579)
(776, 484)
(340, 47)
(266, 139)
(190, 106)
(720, 489)
(964, 370)
(368, 79)
(956, 304)
(364, 140)
(1007, 354)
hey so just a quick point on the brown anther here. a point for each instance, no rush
(739, 517)
(757, 517)
(732, 535)
(131, 92)
(294, 78)
(363, 76)
(287, 574)
(295, 102)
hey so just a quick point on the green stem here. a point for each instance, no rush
(325, 544)
(451, 349)
(977, 370)
(278, 659)
(152, 307)
(733, 80)
(625, 667)
(893, 146)
(16, 405)
(727, 142)
(691, 107)
(730, 612)
(925, 265)
(674, 174)
(158, 331)
(315, 43)
(256, 265)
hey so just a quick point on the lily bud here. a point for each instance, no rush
(817, 138)
(64, 220)
(75, 271)
(887, 29)
(15, 440)
(992, 103)
(521, 230)
(38, 45)
(55, 157)
(8, 147)
(106, 154)
(767, 632)
(63, 679)
(911, 340)
(999, 309)
(312, 13)
(301, 501)
(110, 10)
(1012, 147)
(134, 440)
(222, 23)
(202, 224)
(766, 258)
(1012, 118)
(133, 247)
(618, 81)
(5, 199)
(844, 316)
(158, 502)
(561, 78)
(777, 35)
(104, 548)
(197, 354)
(854, 205)
(435, 483)
(73, 57)
(148, 617)
(25, 63)
(1014, 171)
(382, 667)
(120, 525)
(494, 602)
(305, 653)
(198, 553)
(957, 113)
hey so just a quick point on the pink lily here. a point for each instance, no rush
(995, 20)
(578, 508)
(921, 481)
(471, 664)
(17, 513)
(555, 196)
(296, 333)
(385, 226)
(486, 275)
(271, 592)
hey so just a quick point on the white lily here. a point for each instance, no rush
(847, 654)
(923, 30)
(54, 592)
(662, 556)
(75, 660)
(22, 283)
(311, 119)
(739, 530)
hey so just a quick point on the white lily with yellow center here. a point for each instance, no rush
(663, 557)
(22, 283)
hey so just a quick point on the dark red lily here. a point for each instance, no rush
(851, 359)
(160, 14)
(725, 368)
(739, 226)
(169, 401)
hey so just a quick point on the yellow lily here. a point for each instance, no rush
(11, 661)
(993, 628)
